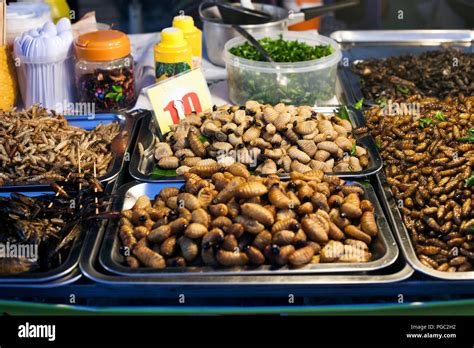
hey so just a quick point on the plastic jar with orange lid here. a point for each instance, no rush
(104, 70)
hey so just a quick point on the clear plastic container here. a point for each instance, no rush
(109, 85)
(104, 70)
(310, 82)
(46, 81)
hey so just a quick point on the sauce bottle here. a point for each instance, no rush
(59, 9)
(172, 54)
(192, 35)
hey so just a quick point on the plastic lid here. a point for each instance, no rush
(185, 23)
(172, 37)
(102, 45)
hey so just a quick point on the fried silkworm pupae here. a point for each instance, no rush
(429, 168)
(254, 221)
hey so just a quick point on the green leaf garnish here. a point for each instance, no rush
(381, 102)
(404, 90)
(469, 138)
(358, 104)
(117, 89)
(378, 146)
(202, 138)
(440, 116)
(158, 172)
(353, 150)
(424, 122)
(470, 181)
(343, 113)
(110, 95)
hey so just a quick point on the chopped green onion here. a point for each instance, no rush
(440, 116)
(424, 122)
(282, 51)
(358, 104)
(404, 90)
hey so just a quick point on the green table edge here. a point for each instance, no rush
(457, 307)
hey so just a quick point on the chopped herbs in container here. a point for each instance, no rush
(298, 77)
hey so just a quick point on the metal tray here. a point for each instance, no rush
(68, 279)
(403, 37)
(364, 44)
(91, 268)
(141, 166)
(384, 248)
(66, 267)
(88, 123)
(403, 236)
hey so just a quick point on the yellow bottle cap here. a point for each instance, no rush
(172, 37)
(185, 23)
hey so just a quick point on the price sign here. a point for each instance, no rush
(176, 97)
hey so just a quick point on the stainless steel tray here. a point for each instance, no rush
(141, 166)
(69, 278)
(384, 247)
(65, 268)
(364, 44)
(403, 37)
(88, 123)
(403, 236)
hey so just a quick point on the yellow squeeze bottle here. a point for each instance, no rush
(192, 35)
(59, 9)
(172, 54)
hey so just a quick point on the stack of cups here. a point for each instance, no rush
(45, 65)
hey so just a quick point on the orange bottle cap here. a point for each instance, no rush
(102, 45)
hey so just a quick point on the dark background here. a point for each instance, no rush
(154, 15)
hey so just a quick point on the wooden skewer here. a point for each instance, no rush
(96, 200)
(79, 169)
(60, 188)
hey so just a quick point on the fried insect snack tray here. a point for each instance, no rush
(141, 165)
(383, 248)
(87, 123)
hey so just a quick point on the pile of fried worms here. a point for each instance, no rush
(37, 146)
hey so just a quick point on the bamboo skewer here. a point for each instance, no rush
(96, 200)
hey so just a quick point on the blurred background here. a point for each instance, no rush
(138, 16)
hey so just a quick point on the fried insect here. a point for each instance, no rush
(257, 221)
(148, 257)
(430, 179)
(266, 140)
(231, 258)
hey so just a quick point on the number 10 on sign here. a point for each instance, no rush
(176, 97)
